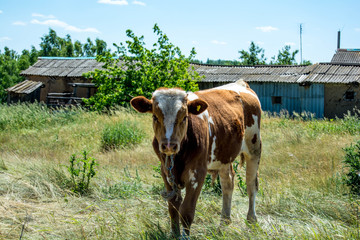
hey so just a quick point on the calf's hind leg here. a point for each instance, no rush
(252, 183)
(226, 174)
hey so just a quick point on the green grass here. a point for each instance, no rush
(301, 192)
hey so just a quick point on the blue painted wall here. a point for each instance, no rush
(294, 98)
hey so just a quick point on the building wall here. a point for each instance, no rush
(336, 102)
(277, 97)
(60, 85)
(293, 98)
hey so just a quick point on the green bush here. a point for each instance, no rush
(82, 170)
(121, 135)
(352, 163)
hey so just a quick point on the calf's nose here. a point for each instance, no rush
(169, 147)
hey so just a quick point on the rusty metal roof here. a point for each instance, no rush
(316, 73)
(25, 87)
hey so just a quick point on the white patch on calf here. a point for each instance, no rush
(170, 102)
(213, 146)
(192, 179)
(214, 165)
(249, 134)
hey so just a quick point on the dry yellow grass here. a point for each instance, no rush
(300, 197)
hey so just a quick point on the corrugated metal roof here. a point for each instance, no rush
(63, 67)
(25, 87)
(316, 73)
(346, 56)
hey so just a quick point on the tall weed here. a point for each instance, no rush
(34, 116)
(121, 135)
(352, 163)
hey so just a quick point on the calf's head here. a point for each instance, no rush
(170, 109)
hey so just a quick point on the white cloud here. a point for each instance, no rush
(114, 2)
(1, 11)
(139, 3)
(42, 15)
(267, 29)
(19, 23)
(218, 42)
(357, 29)
(290, 44)
(64, 25)
(3, 39)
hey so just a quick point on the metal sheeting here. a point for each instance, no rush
(25, 87)
(62, 67)
(344, 56)
(294, 98)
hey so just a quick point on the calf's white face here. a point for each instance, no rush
(170, 109)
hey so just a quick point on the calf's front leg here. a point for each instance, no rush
(193, 188)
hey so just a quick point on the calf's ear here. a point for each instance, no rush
(141, 104)
(197, 106)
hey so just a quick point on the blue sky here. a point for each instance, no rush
(217, 29)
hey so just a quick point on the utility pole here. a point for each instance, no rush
(300, 43)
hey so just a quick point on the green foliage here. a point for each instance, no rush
(255, 56)
(285, 57)
(54, 46)
(11, 64)
(241, 183)
(140, 71)
(82, 170)
(211, 186)
(121, 135)
(127, 188)
(352, 163)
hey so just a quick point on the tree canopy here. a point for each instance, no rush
(140, 71)
(255, 55)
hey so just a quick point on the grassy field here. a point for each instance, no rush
(301, 192)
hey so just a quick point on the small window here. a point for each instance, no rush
(276, 100)
(349, 95)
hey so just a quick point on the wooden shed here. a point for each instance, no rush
(58, 74)
(26, 91)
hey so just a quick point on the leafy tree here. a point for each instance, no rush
(285, 57)
(54, 46)
(255, 55)
(140, 71)
(78, 49)
(11, 64)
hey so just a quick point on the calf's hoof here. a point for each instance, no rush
(251, 219)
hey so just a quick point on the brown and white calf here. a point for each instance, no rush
(204, 131)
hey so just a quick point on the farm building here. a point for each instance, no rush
(26, 91)
(62, 77)
(324, 89)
